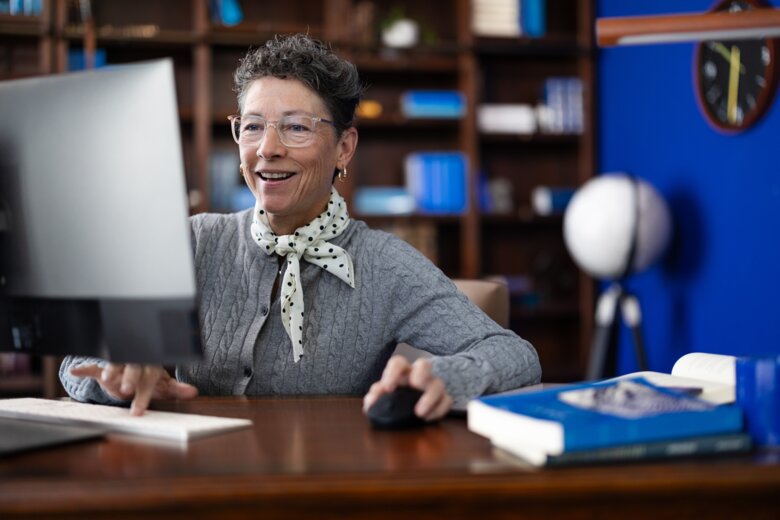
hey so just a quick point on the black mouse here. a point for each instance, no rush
(395, 410)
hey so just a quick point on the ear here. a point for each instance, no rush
(346, 146)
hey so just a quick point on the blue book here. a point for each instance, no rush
(437, 181)
(435, 104)
(595, 415)
(77, 59)
(382, 200)
(533, 18)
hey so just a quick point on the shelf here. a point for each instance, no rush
(484, 69)
(548, 47)
(720, 25)
(536, 138)
(22, 25)
(375, 62)
(253, 33)
(133, 34)
(399, 122)
(521, 218)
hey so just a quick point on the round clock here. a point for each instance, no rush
(736, 79)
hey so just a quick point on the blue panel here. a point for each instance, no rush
(717, 290)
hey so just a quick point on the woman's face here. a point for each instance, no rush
(292, 184)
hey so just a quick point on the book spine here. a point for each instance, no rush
(711, 445)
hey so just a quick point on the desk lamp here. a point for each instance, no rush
(616, 225)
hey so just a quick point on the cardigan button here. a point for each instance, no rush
(264, 310)
(247, 371)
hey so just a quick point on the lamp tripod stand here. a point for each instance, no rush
(603, 351)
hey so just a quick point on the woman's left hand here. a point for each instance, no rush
(435, 401)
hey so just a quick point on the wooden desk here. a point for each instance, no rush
(318, 458)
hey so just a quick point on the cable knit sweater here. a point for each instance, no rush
(349, 334)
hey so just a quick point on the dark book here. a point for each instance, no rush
(729, 443)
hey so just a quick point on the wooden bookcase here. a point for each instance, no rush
(486, 70)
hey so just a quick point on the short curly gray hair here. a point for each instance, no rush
(312, 63)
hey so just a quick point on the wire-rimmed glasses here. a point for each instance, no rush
(295, 131)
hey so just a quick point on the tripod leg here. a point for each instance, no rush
(632, 315)
(606, 310)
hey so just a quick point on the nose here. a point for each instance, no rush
(270, 144)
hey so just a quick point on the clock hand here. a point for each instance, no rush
(723, 51)
(734, 64)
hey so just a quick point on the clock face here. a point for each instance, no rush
(735, 79)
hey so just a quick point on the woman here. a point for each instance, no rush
(297, 298)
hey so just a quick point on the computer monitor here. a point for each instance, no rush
(94, 239)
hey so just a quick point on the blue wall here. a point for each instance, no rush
(718, 287)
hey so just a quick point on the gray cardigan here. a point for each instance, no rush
(349, 334)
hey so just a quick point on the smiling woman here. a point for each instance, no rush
(292, 183)
(294, 296)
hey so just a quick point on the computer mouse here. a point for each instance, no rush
(395, 410)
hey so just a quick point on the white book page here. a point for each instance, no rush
(709, 367)
(712, 374)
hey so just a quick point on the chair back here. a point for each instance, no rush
(492, 296)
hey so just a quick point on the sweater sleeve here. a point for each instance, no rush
(473, 355)
(85, 389)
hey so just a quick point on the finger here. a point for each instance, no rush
(88, 370)
(144, 387)
(130, 378)
(112, 375)
(169, 388)
(396, 373)
(435, 401)
(372, 395)
(433, 393)
(421, 374)
(441, 407)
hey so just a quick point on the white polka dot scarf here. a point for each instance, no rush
(310, 243)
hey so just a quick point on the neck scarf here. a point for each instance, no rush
(307, 242)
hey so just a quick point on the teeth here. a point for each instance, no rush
(275, 175)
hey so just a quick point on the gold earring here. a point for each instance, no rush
(343, 174)
(241, 169)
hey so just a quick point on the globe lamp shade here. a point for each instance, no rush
(614, 220)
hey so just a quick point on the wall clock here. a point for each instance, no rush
(736, 80)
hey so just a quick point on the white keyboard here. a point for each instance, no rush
(162, 425)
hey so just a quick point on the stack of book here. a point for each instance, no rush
(562, 106)
(639, 416)
(437, 181)
(506, 118)
(21, 7)
(509, 18)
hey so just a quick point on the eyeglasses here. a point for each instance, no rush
(295, 131)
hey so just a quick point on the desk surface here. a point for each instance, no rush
(319, 458)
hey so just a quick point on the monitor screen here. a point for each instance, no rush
(95, 252)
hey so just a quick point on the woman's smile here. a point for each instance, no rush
(274, 175)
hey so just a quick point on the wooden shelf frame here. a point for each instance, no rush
(459, 60)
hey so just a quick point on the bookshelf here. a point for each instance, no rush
(556, 315)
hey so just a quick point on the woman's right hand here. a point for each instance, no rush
(141, 382)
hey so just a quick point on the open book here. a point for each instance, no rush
(711, 377)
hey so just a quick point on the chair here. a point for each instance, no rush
(492, 296)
